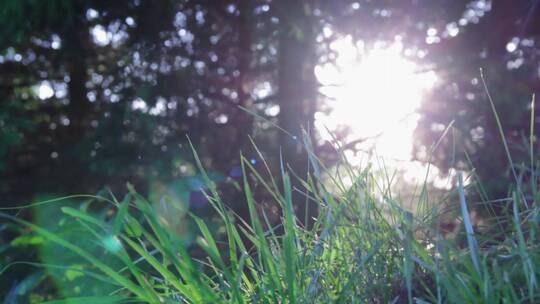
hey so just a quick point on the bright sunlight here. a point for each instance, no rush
(374, 93)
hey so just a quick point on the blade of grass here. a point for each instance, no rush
(528, 267)
(471, 240)
(501, 132)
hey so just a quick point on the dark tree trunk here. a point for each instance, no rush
(245, 120)
(297, 92)
(76, 54)
(78, 111)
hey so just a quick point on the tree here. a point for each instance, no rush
(502, 44)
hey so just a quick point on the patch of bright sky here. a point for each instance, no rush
(45, 90)
(100, 35)
(374, 93)
(113, 35)
(139, 104)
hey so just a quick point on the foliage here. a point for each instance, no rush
(495, 36)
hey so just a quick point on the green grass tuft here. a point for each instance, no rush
(364, 247)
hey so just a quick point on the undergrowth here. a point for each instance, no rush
(364, 247)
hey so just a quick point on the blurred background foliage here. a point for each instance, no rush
(96, 93)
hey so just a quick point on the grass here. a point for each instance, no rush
(364, 247)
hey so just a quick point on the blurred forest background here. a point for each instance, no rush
(97, 93)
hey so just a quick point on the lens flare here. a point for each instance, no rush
(375, 95)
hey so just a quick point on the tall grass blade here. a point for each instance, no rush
(471, 240)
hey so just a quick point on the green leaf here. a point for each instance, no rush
(83, 216)
(122, 212)
(133, 228)
(91, 300)
(26, 240)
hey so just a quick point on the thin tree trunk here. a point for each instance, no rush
(78, 110)
(245, 120)
(297, 92)
(76, 39)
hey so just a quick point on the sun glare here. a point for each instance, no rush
(373, 93)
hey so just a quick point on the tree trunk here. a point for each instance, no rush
(78, 111)
(245, 120)
(297, 92)
(76, 54)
